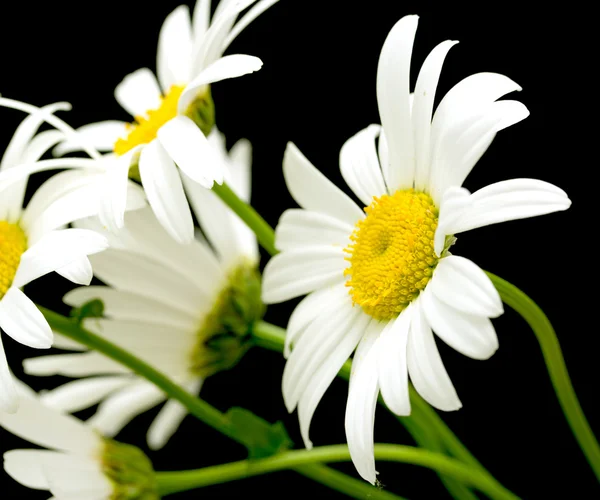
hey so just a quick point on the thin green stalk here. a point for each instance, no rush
(200, 409)
(433, 435)
(171, 482)
(264, 232)
(555, 364)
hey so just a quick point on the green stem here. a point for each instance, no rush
(171, 482)
(200, 409)
(424, 425)
(264, 232)
(555, 364)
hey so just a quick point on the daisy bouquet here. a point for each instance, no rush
(158, 211)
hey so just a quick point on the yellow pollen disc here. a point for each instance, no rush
(144, 129)
(391, 253)
(13, 244)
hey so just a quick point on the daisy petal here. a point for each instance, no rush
(422, 110)
(473, 336)
(462, 284)
(393, 80)
(23, 321)
(24, 466)
(79, 271)
(101, 136)
(393, 368)
(46, 427)
(72, 365)
(186, 145)
(55, 250)
(313, 191)
(511, 200)
(200, 19)
(299, 228)
(232, 66)
(173, 62)
(360, 409)
(328, 370)
(452, 207)
(298, 272)
(360, 166)
(138, 92)
(314, 346)
(169, 419)
(250, 16)
(75, 477)
(9, 400)
(164, 190)
(425, 365)
(119, 409)
(81, 394)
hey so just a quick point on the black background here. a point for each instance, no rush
(317, 88)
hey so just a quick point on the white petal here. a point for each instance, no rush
(299, 228)
(100, 135)
(511, 200)
(173, 63)
(297, 272)
(186, 145)
(72, 365)
(136, 273)
(120, 408)
(240, 168)
(318, 342)
(323, 377)
(23, 321)
(55, 250)
(464, 286)
(393, 368)
(232, 66)
(169, 418)
(393, 89)
(74, 478)
(123, 305)
(25, 466)
(360, 409)
(360, 166)
(9, 400)
(79, 271)
(422, 110)
(313, 191)
(80, 394)
(309, 308)
(138, 92)
(425, 366)
(164, 190)
(452, 207)
(46, 427)
(250, 16)
(200, 19)
(470, 335)
(226, 232)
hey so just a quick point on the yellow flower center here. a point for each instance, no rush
(13, 244)
(391, 253)
(144, 128)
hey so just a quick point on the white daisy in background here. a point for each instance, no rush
(186, 309)
(174, 114)
(79, 464)
(34, 242)
(383, 278)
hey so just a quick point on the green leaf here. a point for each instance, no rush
(91, 309)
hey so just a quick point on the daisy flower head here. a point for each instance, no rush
(174, 112)
(186, 309)
(381, 280)
(33, 243)
(77, 462)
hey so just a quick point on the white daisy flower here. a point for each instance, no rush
(34, 242)
(174, 113)
(79, 464)
(382, 279)
(185, 309)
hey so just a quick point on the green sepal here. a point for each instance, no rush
(260, 437)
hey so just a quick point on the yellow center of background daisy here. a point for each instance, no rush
(144, 129)
(391, 253)
(13, 244)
